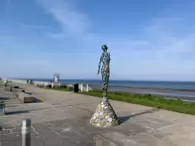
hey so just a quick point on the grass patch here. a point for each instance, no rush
(149, 100)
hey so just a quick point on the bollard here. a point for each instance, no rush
(5, 83)
(81, 87)
(87, 88)
(26, 130)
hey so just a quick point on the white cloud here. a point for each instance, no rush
(71, 20)
(161, 52)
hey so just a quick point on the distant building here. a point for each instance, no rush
(56, 77)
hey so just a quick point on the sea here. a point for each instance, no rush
(168, 85)
(167, 89)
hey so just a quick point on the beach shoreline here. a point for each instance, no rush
(181, 92)
(167, 93)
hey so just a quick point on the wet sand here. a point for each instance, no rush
(175, 94)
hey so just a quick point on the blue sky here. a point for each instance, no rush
(147, 40)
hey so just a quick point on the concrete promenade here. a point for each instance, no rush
(63, 119)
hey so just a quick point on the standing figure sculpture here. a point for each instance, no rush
(105, 70)
(104, 115)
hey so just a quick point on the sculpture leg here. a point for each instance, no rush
(104, 115)
(105, 79)
(106, 88)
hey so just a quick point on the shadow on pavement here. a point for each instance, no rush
(126, 118)
(36, 100)
(28, 93)
(16, 112)
(4, 98)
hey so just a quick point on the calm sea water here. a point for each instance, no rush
(135, 84)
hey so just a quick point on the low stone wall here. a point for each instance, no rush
(25, 98)
(16, 90)
(19, 81)
(82, 87)
(8, 89)
(2, 109)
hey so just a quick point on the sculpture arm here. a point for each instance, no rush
(109, 56)
(109, 63)
(99, 65)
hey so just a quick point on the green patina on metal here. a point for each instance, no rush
(104, 115)
(104, 65)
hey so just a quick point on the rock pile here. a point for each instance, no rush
(104, 116)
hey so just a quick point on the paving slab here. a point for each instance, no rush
(8, 97)
(63, 119)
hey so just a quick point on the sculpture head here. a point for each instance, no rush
(104, 48)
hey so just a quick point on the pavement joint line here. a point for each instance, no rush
(76, 104)
(149, 127)
(59, 107)
(82, 109)
(9, 134)
(167, 126)
(55, 131)
(35, 130)
(109, 139)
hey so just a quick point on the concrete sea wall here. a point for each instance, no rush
(82, 87)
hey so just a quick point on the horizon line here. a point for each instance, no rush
(100, 79)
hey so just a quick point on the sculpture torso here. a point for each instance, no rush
(105, 59)
(105, 71)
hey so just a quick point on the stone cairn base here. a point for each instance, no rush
(104, 116)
